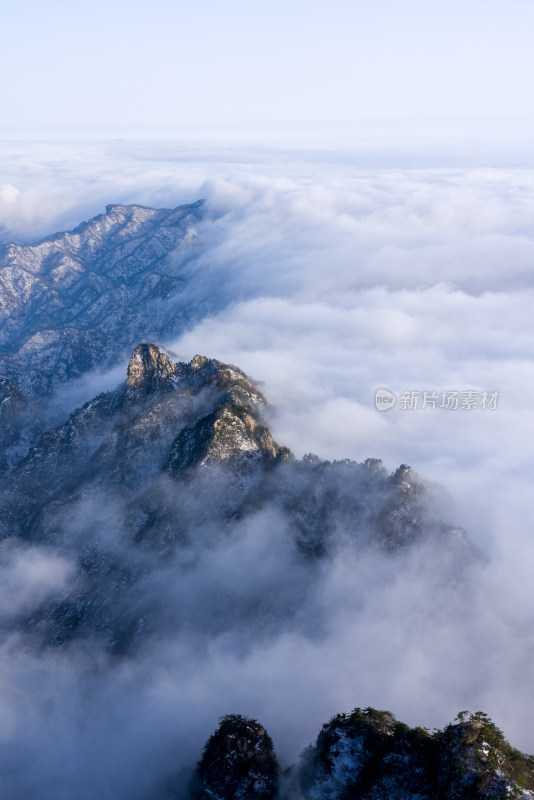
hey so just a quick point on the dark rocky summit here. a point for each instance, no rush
(238, 762)
(369, 755)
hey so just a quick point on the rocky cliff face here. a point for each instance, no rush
(77, 301)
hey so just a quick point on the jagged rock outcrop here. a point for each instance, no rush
(80, 300)
(238, 763)
(165, 417)
(149, 371)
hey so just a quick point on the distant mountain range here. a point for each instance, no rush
(79, 301)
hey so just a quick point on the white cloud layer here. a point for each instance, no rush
(343, 280)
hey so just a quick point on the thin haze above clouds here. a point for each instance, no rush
(282, 69)
(342, 280)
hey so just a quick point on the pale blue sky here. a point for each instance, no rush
(175, 68)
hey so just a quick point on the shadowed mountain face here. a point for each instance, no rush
(160, 469)
(21, 420)
(238, 761)
(78, 301)
(368, 755)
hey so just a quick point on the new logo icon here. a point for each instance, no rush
(384, 399)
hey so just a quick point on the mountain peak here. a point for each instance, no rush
(229, 431)
(123, 208)
(149, 370)
(238, 761)
(198, 362)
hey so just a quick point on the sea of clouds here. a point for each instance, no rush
(342, 279)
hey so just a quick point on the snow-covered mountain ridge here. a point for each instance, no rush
(80, 300)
